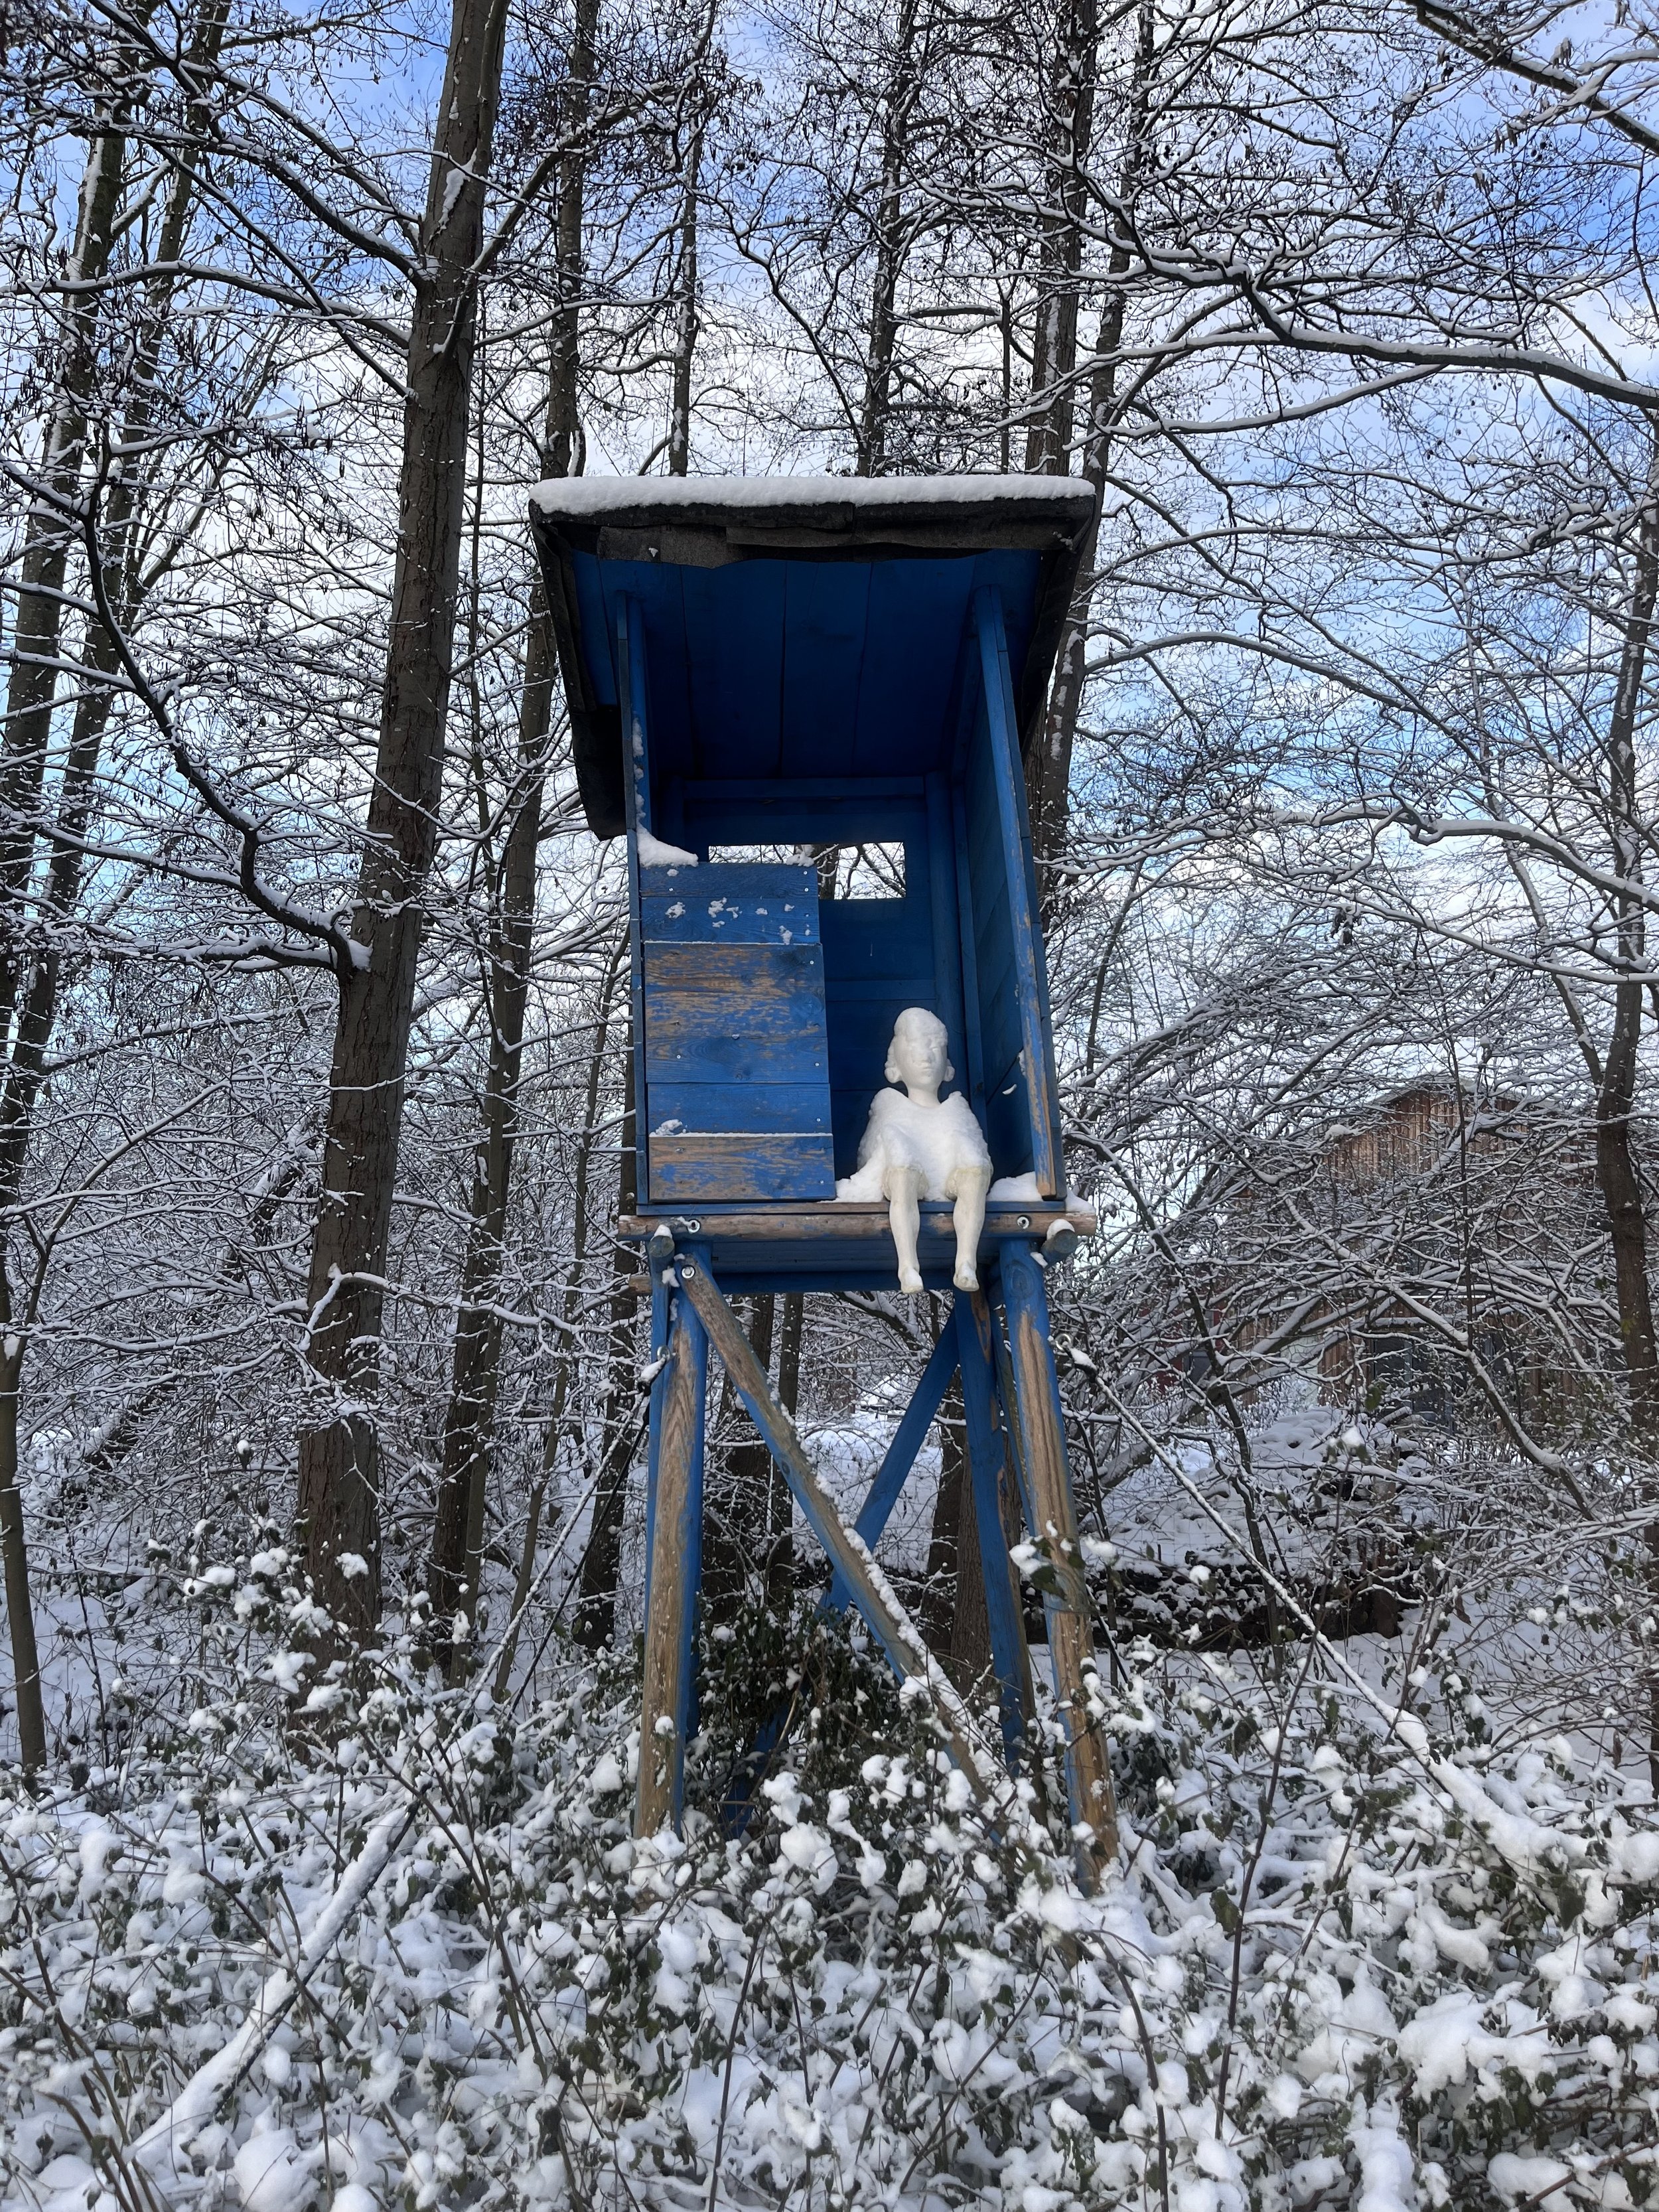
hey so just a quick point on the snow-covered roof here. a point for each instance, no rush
(617, 499)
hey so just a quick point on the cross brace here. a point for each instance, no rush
(701, 1313)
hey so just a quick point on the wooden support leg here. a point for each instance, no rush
(673, 1562)
(994, 1491)
(1042, 1437)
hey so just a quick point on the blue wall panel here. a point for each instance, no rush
(827, 607)
(736, 1061)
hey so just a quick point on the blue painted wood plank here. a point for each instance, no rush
(917, 609)
(742, 879)
(973, 1073)
(901, 1454)
(631, 712)
(761, 971)
(877, 939)
(656, 592)
(730, 902)
(598, 628)
(682, 915)
(762, 1107)
(734, 630)
(989, 1475)
(1031, 965)
(767, 1008)
(636, 719)
(690, 1171)
(728, 794)
(692, 1056)
(826, 610)
(939, 890)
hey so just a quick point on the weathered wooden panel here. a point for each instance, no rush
(735, 1046)
(754, 972)
(690, 1170)
(730, 902)
(688, 1056)
(766, 1107)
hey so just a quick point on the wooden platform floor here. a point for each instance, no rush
(835, 1246)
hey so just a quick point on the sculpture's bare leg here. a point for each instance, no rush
(904, 1188)
(969, 1219)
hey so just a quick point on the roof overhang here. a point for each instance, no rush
(705, 523)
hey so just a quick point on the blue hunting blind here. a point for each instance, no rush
(819, 690)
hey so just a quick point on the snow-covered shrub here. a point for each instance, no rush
(422, 1961)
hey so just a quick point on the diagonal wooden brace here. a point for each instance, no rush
(850, 1556)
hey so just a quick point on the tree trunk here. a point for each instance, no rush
(31, 678)
(567, 1359)
(1617, 1174)
(339, 1488)
(1048, 764)
(902, 88)
(685, 338)
(1053, 343)
(469, 1428)
(595, 1621)
(31, 694)
(566, 452)
(20, 1608)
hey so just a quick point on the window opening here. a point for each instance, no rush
(868, 871)
(861, 871)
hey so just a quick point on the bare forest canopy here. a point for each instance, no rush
(313, 984)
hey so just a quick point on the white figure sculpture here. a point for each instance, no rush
(917, 1145)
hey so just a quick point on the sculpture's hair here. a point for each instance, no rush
(913, 1016)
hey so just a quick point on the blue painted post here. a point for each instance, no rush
(635, 713)
(1030, 969)
(990, 1479)
(673, 1569)
(631, 696)
(1071, 1645)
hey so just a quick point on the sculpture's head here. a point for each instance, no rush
(919, 1056)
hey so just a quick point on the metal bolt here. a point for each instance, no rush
(1024, 1221)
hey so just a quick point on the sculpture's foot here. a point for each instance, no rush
(964, 1278)
(909, 1281)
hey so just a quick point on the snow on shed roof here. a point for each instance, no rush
(613, 499)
